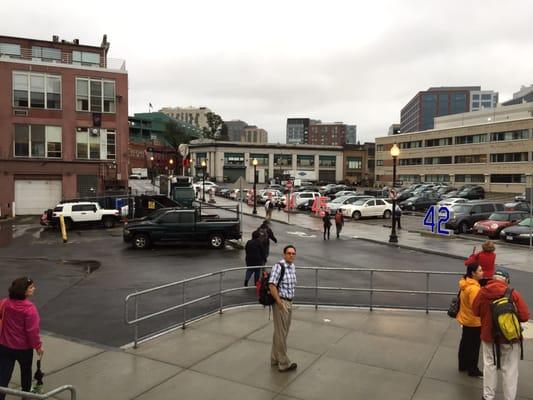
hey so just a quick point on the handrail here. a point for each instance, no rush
(28, 395)
(186, 304)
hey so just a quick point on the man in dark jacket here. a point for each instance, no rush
(265, 236)
(255, 258)
(510, 352)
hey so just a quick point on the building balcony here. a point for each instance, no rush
(63, 58)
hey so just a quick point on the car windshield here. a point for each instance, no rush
(340, 199)
(461, 208)
(499, 217)
(526, 222)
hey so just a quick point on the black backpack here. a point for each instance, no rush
(263, 291)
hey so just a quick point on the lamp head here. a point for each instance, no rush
(171, 161)
(254, 162)
(203, 163)
(395, 150)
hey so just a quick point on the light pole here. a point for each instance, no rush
(254, 162)
(395, 152)
(171, 169)
(152, 168)
(204, 168)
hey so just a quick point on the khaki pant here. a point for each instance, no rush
(282, 323)
(510, 354)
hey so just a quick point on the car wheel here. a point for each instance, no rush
(356, 215)
(141, 241)
(463, 227)
(108, 222)
(216, 241)
(387, 214)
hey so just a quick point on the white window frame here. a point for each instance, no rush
(47, 132)
(88, 94)
(103, 140)
(28, 76)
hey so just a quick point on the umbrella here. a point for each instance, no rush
(38, 376)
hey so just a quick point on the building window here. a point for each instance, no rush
(410, 161)
(283, 160)
(471, 159)
(95, 144)
(508, 157)
(512, 135)
(477, 178)
(411, 145)
(379, 163)
(305, 160)
(327, 161)
(507, 178)
(380, 147)
(438, 160)
(86, 59)
(354, 162)
(10, 49)
(471, 139)
(199, 158)
(409, 178)
(439, 142)
(437, 178)
(46, 54)
(95, 95)
(37, 141)
(234, 159)
(36, 90)
(262, 159)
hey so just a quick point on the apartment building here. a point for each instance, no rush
(358, 164)
(63, 122)
(191, 115)
(492, 148)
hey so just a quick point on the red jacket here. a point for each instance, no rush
(485, 259)
(20, 325)
(495, 289)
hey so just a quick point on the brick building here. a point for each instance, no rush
(63, 122)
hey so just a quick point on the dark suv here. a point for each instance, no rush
(464, 215)
(472, 193)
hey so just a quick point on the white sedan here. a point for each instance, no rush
(451, 201)
(367, 208)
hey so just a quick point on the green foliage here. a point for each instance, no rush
(175, 134)
(216, 129)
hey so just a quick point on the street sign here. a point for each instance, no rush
(392, 194)
(183, 149)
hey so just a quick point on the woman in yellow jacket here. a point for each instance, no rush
(470, 340)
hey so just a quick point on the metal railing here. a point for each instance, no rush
(133, 317)
(28, 395)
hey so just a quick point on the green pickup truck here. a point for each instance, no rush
(177, 225)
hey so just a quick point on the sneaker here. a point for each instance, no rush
(291, 367)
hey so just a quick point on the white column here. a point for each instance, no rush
(339, 167)
(270, 166)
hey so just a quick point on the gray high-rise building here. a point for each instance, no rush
(235, 129)
(298, 130)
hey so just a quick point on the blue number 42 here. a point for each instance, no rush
(442, 216)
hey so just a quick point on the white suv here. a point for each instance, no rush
(84, 213)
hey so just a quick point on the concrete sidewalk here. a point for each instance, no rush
(513, 256)
(341, 354)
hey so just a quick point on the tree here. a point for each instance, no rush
(175, 135)
(216, 129)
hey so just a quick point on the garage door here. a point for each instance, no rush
(32, 197)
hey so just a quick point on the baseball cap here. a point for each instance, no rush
(503, 272)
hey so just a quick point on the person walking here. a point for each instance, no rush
(283, 293)
(326, 219)
(19, 335)
(269, 207)
(398, 212)
(509, 352)
(486, 258)
(470, 339)
(255, 258)
(265, 236)
(339, 222)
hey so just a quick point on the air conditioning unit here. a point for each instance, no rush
(94, 131)
(20, 113)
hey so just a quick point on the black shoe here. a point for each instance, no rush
(291, 367)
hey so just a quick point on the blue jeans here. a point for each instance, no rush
(256, 272)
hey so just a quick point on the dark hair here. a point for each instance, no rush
(17, 290)
(470, 270)
(255, 235)
(290, 246)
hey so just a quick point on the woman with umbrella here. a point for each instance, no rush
(19, 333)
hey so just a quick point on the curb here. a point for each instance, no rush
(403, 246)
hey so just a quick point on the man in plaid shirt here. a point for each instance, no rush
(283, 293)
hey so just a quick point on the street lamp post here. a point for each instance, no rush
(204, 168)
(395, 152)
(254, 162)
(171, 169)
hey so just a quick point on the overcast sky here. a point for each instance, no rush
(261, 62)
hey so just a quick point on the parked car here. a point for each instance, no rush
(463, 216)
(345, 193)
(520, 233)
(449, 195)
(332, 191)
(135, 176)
(84, 213)
(472, 193)
(198, 186)
(497, 221)
(441, 191)
(420, 202)
(224, 192)
(175, 224)
(520, 197)
(451, 201)
(367, 208)
(333, 205)
(275, 195)
(304, 197)
(327, 187)
(517, 206)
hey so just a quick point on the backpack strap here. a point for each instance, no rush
(281, 274)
